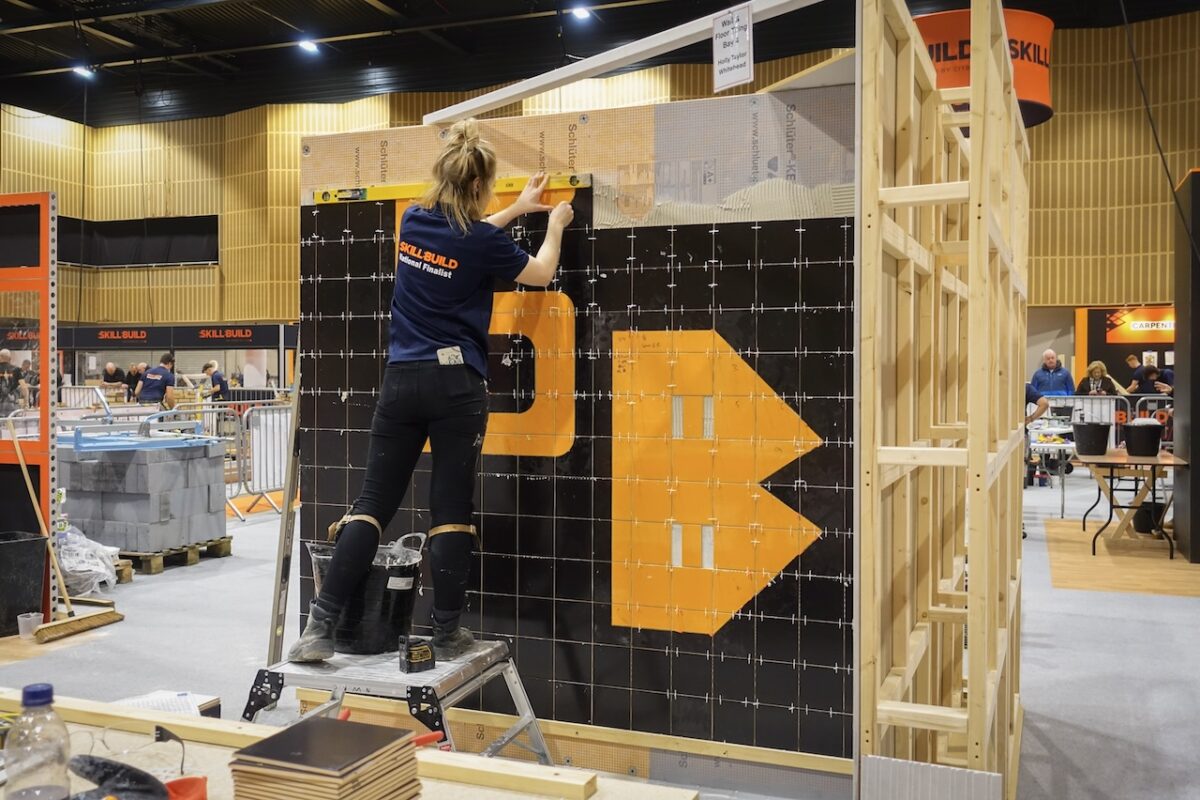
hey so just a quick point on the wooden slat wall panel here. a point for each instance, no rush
(694, 81)
(39, 153)
(70, 293)
(1102, 218)
(642, 87)
(166, 169)
(367, 114)
(244, 242)
(408, 108)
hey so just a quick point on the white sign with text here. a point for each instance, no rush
(733, 48)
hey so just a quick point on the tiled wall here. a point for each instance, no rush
(668, 546)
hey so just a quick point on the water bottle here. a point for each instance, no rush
(37, 749)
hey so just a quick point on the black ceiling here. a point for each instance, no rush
(176, 59)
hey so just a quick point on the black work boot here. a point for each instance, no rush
(450, 640)
(316, 643)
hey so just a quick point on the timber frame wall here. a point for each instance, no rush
(944, 222)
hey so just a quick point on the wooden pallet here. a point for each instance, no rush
(124, 569)
(154, 563)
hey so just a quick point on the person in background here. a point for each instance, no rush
(132, 376)
(220, 386)
(112, 375)
(237, 376)
(1135, 364)
(1151, 382)
(14, 391)
(1098, 382)
(32, 380)
(157, 385)
(1034, 397)
(1052, 378)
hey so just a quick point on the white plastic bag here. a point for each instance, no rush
(87, 566)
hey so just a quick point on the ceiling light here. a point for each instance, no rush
(307, 46)
(581, 12)
(85, 72)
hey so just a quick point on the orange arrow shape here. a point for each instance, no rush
(695, 430)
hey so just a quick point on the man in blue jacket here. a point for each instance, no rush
(1052, 378)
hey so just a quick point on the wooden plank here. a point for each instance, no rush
(955, 95)
(899, 244)
(950, 284)
(511, 775)
(920, 195)
(226, 733)
(890, 473)
(899, 680)
(955, 430)
(917, 715)
(926, 456)
(946, 615)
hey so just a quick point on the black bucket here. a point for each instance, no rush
(1147, 516)
(22, 567)
(1091, 438)
(380, 611)
(1143, 438)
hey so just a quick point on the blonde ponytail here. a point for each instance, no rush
(465, 158)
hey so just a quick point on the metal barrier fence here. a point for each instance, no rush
(1115, 410)
(268, 429)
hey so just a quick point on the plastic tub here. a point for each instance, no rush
(27, 624)
(380, 611)
(22, 568)
(1091, 438)
(1143, 437)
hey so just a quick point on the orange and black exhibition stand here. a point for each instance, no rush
(28, 303)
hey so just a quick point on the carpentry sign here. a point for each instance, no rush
(733, 48)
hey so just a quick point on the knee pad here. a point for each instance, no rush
(336, 528)
(454, 528)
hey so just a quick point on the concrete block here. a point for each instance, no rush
(84, 504)
(148, 478)
(205, 471)
(216, 499)
(66, 454)
(214, 450)
(207, 526)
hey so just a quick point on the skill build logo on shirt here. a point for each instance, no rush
(426, 260)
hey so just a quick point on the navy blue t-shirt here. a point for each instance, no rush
(444, 280)
(154, 384)
(219, 384)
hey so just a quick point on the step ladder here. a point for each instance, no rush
(428, 694)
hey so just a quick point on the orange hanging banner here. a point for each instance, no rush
(1148, 325)
(947, 36)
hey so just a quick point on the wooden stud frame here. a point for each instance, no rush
(943, 252)
(30, 291)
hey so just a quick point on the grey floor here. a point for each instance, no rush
(1109, 680)
(1112, 701)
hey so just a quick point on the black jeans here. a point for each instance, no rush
(419, 400)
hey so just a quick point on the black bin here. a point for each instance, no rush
(380, 611)
(1147, 516)
(22, 568)
(1091, 438)
(1143, 439)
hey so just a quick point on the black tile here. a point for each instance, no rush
(572, 702)
(691, 717)
(822, 688)
(535, 616)
(733, 677)
(776, 683)
(777, 638)
(776, 727)
(651, 712)
(535, 575)
(651, 670)
(691, 674)
(535, 657)
(824, 734)
(573, 580)
(572, 620)
(733, 721)
(499, 613)
(573, 662)
(612, 707)
(612, 665)
(824, 239)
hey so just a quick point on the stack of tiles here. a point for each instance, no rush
(326, 759)
(146, 501)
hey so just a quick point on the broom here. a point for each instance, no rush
(51, 631)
